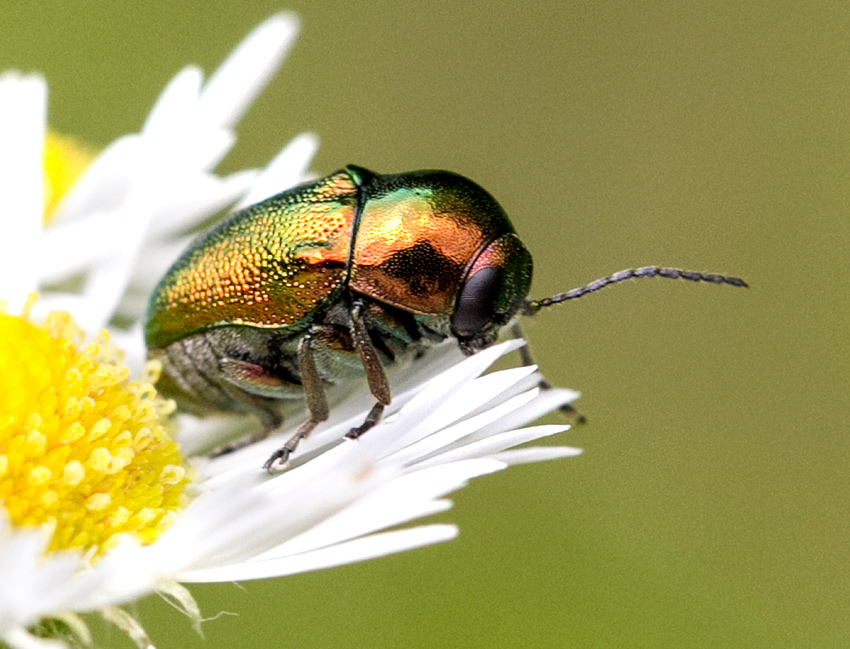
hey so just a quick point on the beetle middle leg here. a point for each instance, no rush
(379, 386)
(526, 358)
(317, 402)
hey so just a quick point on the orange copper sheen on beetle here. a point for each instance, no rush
(411, 252)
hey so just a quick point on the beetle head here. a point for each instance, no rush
(495, 286)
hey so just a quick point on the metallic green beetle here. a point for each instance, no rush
(337, 277)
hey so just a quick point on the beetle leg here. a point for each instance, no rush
(254, 378)
(379, 386)
(526, 358)
(317, 403)
(372, 418)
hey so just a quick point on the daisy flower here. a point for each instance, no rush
(106, 494)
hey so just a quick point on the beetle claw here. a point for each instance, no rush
(568, 410)
(372, 418)
(357, 431)
(278, 460)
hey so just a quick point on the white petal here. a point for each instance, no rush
(491, 445)
(369, 547)
(396, 501)
(471, 400)
(105, 181)
(177, 104)
(248, 69)
(23, 101)
(37, 585)
(536, 454)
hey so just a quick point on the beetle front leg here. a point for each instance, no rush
(317, 403)
(379, 386)
(526, 359)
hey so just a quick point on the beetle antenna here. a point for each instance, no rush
(533, 306)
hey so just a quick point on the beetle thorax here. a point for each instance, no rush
(411, 255)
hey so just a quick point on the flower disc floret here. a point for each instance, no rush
(83, 450)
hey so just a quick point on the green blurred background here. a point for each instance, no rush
(711, 506)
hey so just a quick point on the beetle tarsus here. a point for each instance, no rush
(280, 458)
(317, 403)
(570, 412)
(567, 409)
(372, 419)
(526, 359)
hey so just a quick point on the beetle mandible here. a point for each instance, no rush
(339, 277)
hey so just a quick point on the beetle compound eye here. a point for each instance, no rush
(495, 287)
(476, 304)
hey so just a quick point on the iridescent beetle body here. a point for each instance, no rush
(346, 274)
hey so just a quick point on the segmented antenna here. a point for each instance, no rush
(533, 306)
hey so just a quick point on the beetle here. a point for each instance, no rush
(339, 277)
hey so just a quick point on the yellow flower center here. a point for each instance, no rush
(83, 450)
(65, 159)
